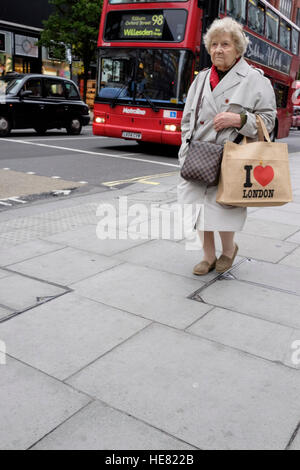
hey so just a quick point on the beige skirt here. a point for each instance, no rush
(213, 216)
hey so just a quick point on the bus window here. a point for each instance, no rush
(295, 41)
(281, 93)
(162, 75)
(256, 16)
(116, 74)
(222, 6)
(143, 74)
(285, 35)
(237, 9)
(272, 25)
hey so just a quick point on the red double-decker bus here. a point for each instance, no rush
(150, 51)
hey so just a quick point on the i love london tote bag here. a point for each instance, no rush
(255, 174)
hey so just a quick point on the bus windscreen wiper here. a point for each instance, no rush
(115, 99)
(155, 109)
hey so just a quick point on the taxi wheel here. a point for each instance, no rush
(74, 127)
(40, 130)
(5, 126)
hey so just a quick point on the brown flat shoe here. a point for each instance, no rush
(204, 268)
(224, 262)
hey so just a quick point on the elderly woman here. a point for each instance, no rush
(233, 94)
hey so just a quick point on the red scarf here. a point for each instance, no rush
(214, 76)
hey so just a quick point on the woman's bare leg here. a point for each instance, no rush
(209, 249)
(228, 246)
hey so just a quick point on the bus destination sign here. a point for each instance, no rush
(264, 53)
(139, 26)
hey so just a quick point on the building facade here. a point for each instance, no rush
(21, 23)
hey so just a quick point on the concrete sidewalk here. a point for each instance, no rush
(114, 344)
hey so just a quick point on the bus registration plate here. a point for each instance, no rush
(131, 135)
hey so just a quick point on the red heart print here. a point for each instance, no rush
(263, 175)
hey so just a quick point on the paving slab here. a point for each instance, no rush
(293, 259)
(4, 312)
(99, 427)
(268, 229)
(143, 196)
(296, 443)
(4, 273)
(147, 292)
(65, 266)
(26, 251)
(260, 302)
(266, 274)
(291, 207)
(260, 248)
(85, 238)
(295, 238)
(274, 215)
(32, 404)
(167, 256)
(211, 396)
(255, 336)
(86, 211)
(19, 292)
(68, 333)
(19, 223)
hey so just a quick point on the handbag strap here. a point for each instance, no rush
(262, 132)
(198, 106)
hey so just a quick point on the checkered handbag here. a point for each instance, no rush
(203, 163)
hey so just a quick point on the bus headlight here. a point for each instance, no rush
(171, 127)
(100, 120)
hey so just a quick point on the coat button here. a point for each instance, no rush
(227, 101)
(201, 122)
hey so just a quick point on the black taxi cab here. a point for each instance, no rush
(40, 102)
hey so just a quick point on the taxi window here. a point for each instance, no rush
(71, 92)
(34, 85)
(54, 89)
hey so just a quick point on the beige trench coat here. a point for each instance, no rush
(243, 89)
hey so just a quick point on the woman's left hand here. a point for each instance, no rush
(225, 120)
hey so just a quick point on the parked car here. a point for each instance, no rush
(40, 102)
(296, 117)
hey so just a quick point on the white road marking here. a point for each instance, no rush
(69, 138)
(5, 168)
(110, 155)
(16, 199)
(5, 203)
(30, 173)
(56, 177)
(83, 182)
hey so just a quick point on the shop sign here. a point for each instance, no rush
(26, 46)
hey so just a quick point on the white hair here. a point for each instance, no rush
(227, 25)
